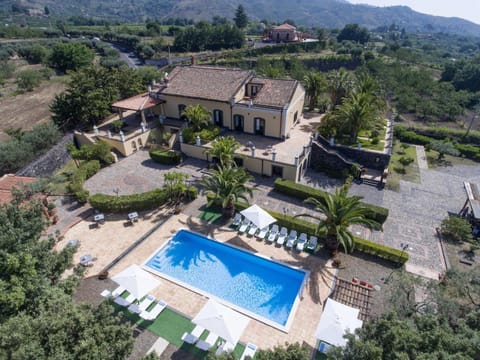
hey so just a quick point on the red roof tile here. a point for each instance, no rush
(284, 26)
(137, 102)
(8, 182)
(274, 92)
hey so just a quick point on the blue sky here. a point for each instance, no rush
(466, 9)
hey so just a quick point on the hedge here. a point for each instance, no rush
(167, 157)
(412, 137)
(136, 202)
(84, 171)
(126, 203)
(366, 246)
(303, 192)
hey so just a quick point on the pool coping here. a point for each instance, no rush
(284, 328)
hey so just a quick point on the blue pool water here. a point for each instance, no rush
(258, 285)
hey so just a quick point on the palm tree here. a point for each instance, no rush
(339, 85)
(313, 83)
(224, 150)
(358, 111)
(226, 185)
(197, 115)
(339, 212)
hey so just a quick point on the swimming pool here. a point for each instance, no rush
(251, 284)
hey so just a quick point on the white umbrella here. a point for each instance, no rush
(222, 321)
(337, 319)
(137, 281)
(258, 216)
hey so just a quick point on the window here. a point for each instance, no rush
(238, 121)
(238, 161)
(140, 144)
(218, 117)
(277, 171)
(254, 90)
(259, 126)
(134, 146)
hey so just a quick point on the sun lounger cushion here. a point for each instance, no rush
(208, 343)
(253, 229)
(149, 299)
(118, 291)
(282, 236)
(106, 293)
(273, 233)
(250, 351)
(237, 219)
(302, 240)
(291, 239)
(312, 243)
(244, 226)
(152, 314)
(262, 233)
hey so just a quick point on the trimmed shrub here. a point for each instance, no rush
(469, 151)
(382, 251)
(126, 203)
(403, 134)
(99, 151)
(86, 170)
(405, 160)
(303, 192)
(191, 193)
(167, 157)
(399, 170)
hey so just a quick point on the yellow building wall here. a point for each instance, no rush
(296, 105)
(83, 139)
(172, 102)
(273, 119)
(197, 152)
(131, 145)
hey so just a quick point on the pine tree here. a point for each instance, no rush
(241, 18)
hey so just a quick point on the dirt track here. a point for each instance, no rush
(26, 110)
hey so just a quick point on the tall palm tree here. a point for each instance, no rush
(197, 115)
(223, 149)
(339, 85)
(313, 83)
(339, 212)
(227, 185)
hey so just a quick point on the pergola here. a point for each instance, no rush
(138, 103)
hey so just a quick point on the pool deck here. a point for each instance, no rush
(309, 308)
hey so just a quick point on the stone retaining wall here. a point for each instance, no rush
(50, 162)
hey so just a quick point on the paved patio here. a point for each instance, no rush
(106, 247)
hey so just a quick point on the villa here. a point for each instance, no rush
(261, 113)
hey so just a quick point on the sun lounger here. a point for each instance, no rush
(273, 233)
(312, 243)
(302, 240)
(249, 351)
(124, 301)
(291, 239)
(282, 236)
(206, 344)
(244, 226)
(253, 229)
(152, 314)
(143, 305)
(225, 347)
(262, 233)
(192, 337)
(118, 291)
(106, 294)
(237, 220)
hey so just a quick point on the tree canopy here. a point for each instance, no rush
(71, 56)
(207, 37)
(90, 94)
(241, 18)
(354, 32)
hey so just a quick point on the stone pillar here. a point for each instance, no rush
(109, 134)
(142, 125)
(122, 136)
(359, 146)
(297, 158)
(311, 140)
(95, 130)
(198, 141)
(305, 149)
(274, 154)
(253, 151)
(160, 119)
(332, 141)
(180, 137)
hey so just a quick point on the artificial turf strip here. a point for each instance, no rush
(171, 326)
(210, 216)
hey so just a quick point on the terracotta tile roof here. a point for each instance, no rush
(274, 92)
(284, 26)
(206, 82)
(8, 182)
(354, 295)
(137, 102)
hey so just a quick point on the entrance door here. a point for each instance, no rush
(238, 121)
(218, 117)
(277, 171)
(259, 126)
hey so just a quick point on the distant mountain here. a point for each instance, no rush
(319, 13)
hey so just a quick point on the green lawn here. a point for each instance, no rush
(367, 144)
(448, 160)
(412, 173)
(171, 326)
